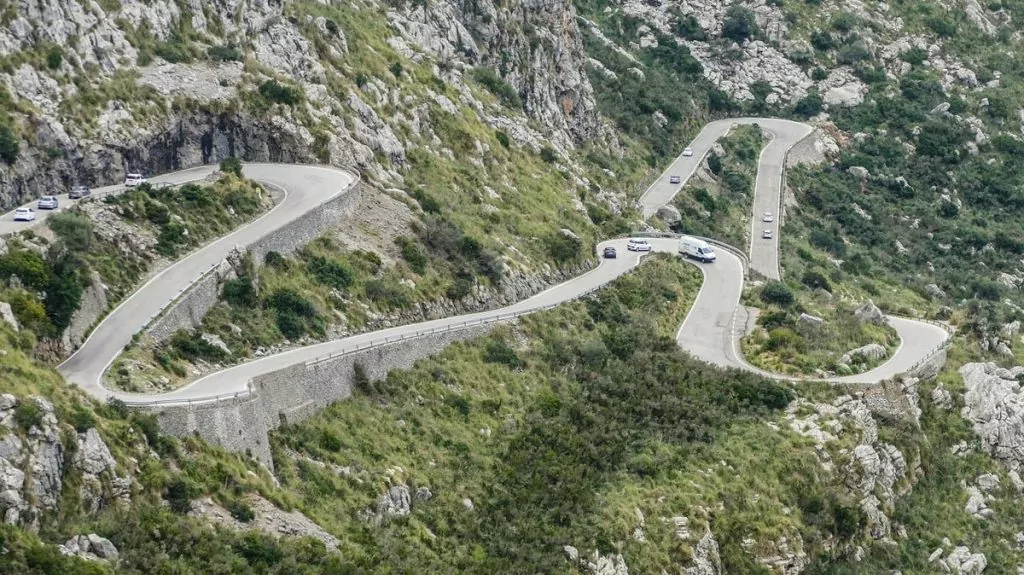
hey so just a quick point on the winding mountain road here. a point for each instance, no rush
(709, 332)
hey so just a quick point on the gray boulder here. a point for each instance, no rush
(395, 503)
(670, 215)
(870, 351)
(91, 547)
(811, 319)
(934, 291)
(7, 315)
(870, 313)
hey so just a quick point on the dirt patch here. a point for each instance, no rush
(377, 221)
(266, 518)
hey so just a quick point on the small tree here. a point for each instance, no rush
(739, 24)
(777, 293)
(231, 165)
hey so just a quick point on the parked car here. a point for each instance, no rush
(47, 203)
(24, 215)
(767, 234)
(79, 192)
(673, 179)
(638, 245)
(767, 217)
(133, 179)
(609, 253)
(688, 152)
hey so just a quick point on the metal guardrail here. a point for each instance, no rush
(387, 340)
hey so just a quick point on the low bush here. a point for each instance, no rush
(777, 293)
(497, 86)
(413, 254)
(278, 93)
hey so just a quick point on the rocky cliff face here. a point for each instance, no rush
(157, 86)
(38, 457)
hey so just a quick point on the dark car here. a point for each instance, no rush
(79, 192)
(609, 252)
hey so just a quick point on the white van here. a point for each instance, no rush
(133, 179)
(696, 249)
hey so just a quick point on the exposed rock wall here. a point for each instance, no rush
(188, 311)
(295, 393)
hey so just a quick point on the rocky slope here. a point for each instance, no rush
(96, 89)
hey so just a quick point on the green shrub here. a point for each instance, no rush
(157, 213)
(179, 494)
(75, 229)
(853, 53)
(815, 279)
(28, 414)
(192, 347)
(499, 351)
(777, 293)
(224, 53)
(460, 288)
(844, 22)
(241, 511)
(275, 260)
(54, 57)
(564, 248)
(686, 26)
(497, 86)
(231, 165)
(388, 293)
(548, 154)
(502, 138)
(809, 105)
(413, 254)
(81, 419)
(739, 24)
(330, 272)
(28, 266)
(782, 338)
(240, 292)
(175, 51)
(396, 69)
(290, 301)
(427, 203)
(65, 288)
(29, 312)
(715, 163)
(9, 146)
(277, 93)
(943, 25)
(818, 74)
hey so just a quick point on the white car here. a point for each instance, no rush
(673, 179)
(132, 180)
(767, 217)
(638, 245)
(767, 234)
(688, 152)
(24, 215)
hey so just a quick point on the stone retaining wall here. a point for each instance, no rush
(188, 311)
(295, 393)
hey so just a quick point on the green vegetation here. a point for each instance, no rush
(782, 342)
(189, 215)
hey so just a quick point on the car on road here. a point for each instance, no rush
(767, 217)
(24, 215)
(47, 203)
(609, 253)
(638, 245)
(673, 179)
(767, 234)
(133, 179)
(688, 152)
(79, 192)
(697, 249)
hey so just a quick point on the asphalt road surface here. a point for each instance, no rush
(709, 331)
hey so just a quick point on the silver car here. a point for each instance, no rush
(47, 203)
(79, 192)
